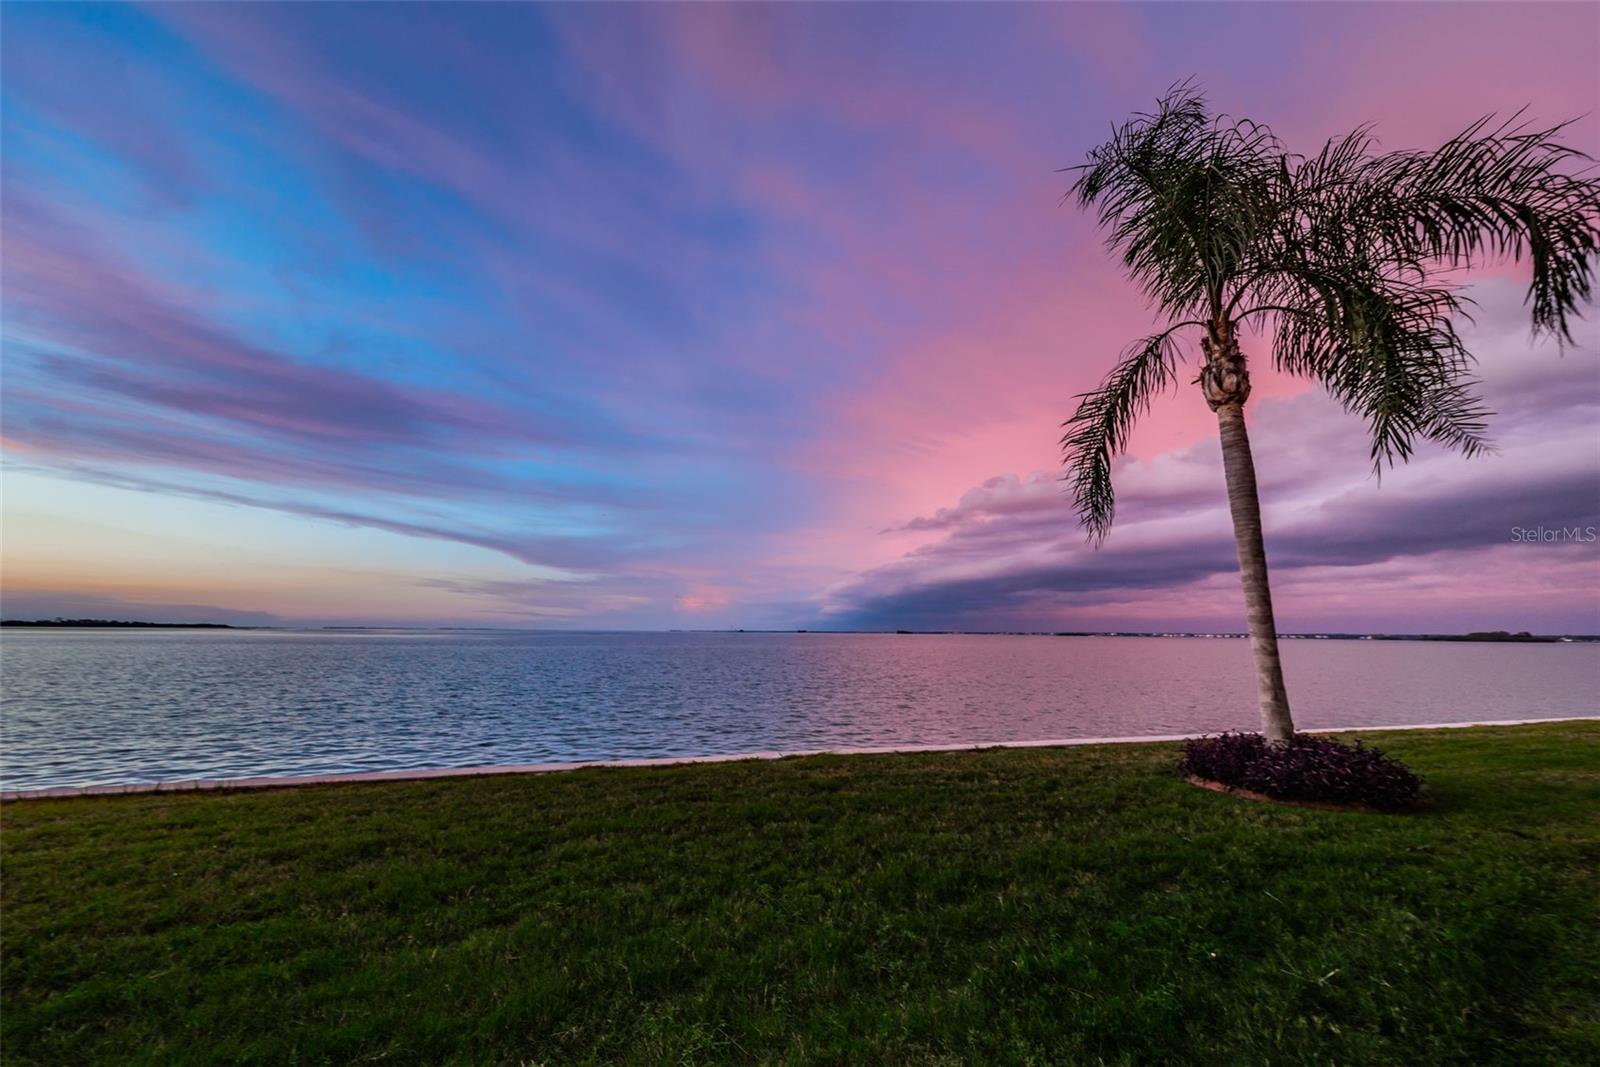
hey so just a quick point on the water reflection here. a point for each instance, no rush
(89, 707)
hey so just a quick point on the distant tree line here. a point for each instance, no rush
(119, 622)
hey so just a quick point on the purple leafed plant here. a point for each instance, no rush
(1307, 768)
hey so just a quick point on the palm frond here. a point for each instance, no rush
(1182, 198)
(1100, 428)
(1494, 191)
(1348, 253)
(1386, 348)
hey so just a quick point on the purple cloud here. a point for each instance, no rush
(1009, 554)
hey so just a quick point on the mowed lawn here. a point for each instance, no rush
(1002, 906)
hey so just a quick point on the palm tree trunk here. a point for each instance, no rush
(1245, 505)
(1225, 381)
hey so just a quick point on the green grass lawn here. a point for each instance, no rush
(1005, 906)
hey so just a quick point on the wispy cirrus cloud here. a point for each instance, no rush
(670, 312)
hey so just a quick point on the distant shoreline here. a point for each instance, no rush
(1487, 637)
(105, 624)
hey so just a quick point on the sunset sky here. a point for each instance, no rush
(702, 316)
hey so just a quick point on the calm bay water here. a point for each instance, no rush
(81, 707)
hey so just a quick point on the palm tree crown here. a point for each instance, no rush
(1342, 259)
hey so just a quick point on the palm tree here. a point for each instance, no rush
(1341, 260)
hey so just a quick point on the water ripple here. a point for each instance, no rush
(100, 707)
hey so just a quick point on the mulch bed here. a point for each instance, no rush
(1250, 794)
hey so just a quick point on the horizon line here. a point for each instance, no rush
(90, 624)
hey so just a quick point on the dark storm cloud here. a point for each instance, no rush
(1010, 554)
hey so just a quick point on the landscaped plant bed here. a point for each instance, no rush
(1308, 771)
(1250, 794)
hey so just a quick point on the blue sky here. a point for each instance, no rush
(688, 315)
